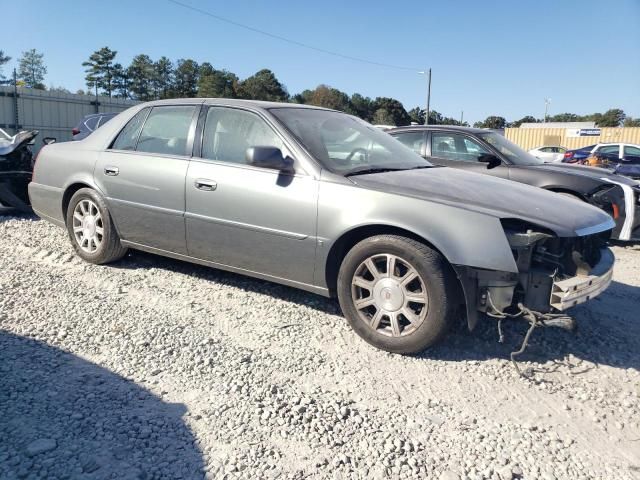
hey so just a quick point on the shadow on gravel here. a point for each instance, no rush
(7, 214)
(64, 417)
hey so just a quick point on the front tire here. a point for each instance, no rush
(91, 230)
(397, 294)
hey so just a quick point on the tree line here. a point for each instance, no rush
(146, 79)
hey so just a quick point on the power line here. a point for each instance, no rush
(288, 40)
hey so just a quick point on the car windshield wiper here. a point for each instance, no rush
(366, 171)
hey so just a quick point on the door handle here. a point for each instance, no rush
(205, 184)
(111, 171)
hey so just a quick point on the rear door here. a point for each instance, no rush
(255, 219)
(143, 174)
(457, 150)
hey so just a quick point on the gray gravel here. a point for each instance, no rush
(152, 368)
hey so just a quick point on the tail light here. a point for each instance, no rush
(568, 154)
(75, 131)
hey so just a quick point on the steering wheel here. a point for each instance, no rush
(357, 150)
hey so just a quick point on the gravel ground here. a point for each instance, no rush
(153, 368)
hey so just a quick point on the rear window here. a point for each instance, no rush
(128, 136)
(166, 130)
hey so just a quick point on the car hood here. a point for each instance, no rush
(567, 217)
(584, 171)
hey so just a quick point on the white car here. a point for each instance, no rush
(548, 154)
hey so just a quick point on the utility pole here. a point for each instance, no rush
(15, 102)
(428, 73)
(547, 102)
(461, 116)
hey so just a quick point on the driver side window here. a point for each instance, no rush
(452, 146)
(229, 132)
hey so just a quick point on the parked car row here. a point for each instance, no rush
(323, 201)
(623, 158)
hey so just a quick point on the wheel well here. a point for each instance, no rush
(568, 192)
(68, 193)
(342, 246)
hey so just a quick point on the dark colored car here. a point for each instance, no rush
(484, 151)
(16, 167)
(89, 123)
(578, 155)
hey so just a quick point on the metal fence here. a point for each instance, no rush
(53, 114)
(528, 138)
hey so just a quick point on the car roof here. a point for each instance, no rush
(234, 102)
(440, 127)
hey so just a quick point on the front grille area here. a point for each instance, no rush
(569, 257)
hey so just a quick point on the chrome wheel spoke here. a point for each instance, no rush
(365, 302)
(362, 283)
(395, 324)
(410, 316)
(391, 265)
(371, 266)
(411, 297)
(409, 277)
(99, 231)
(374, 323)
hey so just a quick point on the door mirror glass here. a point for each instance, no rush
(491, 160)
(268, 157)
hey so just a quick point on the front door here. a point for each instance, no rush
(142, 176)
(255, 219)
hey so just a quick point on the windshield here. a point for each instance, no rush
(345, 144)
(510, 150)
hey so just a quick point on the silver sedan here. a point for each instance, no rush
(322, 201)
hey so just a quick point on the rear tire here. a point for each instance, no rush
(91, 229)
(397, 294)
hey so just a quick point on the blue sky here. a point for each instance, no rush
(488, 58)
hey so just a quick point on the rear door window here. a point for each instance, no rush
(166, 130)
(128, 136)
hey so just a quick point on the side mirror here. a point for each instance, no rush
(269, 157)
(49, 140)
(491, 160)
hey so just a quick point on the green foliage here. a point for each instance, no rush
(99, 70)
(185, 84)
(492, 121)
(216, 83)
(162, 77)
(396, 112)
(362, 107)
(3, 59)
(263, 85)
(613, 117)
(31, 69)
(416, 115)
(525, 119)
(632, 122)
(140, 77)
(120, 81)
(382, 117)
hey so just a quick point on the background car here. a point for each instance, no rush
(612, 151)
(89, 123)
(549, 154)
(484, 151)
(323, 201)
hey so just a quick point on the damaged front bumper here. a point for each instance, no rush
(570, 292)
(554, 274)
